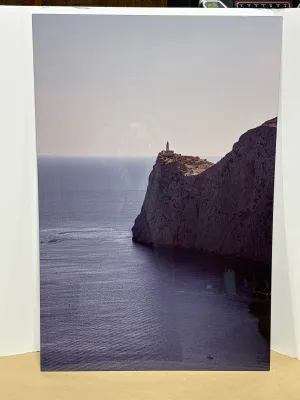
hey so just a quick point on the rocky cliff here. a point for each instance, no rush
(225, 208)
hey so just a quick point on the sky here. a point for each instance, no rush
(124, 85)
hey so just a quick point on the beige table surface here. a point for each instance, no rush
(20, 378)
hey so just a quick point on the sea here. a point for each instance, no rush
(110, 304)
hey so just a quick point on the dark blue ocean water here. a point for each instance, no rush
(110, 304)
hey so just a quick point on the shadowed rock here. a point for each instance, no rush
(224, 208)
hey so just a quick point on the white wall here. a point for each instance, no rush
(286, 246)
(19, 270)
(19, 266)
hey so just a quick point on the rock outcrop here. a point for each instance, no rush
(224, 208)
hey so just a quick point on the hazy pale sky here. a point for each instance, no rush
(124, 85)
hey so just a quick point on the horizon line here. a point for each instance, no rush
(107, 156)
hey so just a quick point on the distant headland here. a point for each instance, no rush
(224, 208)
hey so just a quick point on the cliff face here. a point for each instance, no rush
(225, 208)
